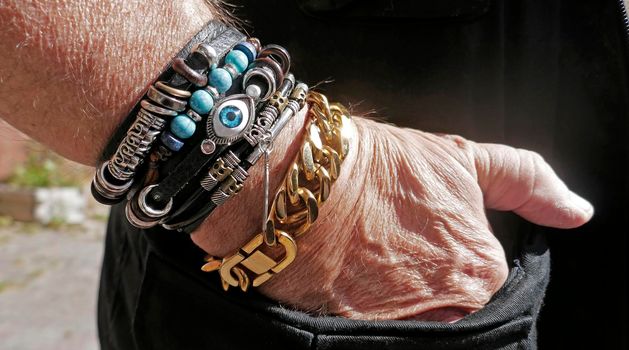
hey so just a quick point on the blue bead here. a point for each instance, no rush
(248, 49)
(170, 141)
(183, 127)
(231, 116)
(237, 59)
(201, 102)
(220, 79)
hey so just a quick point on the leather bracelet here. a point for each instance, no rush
(214, 189)
(161, 161)
(130, 158)
(306, 186)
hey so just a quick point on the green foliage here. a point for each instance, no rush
(42, 169)
(5, 221)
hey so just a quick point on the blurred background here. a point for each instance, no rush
(51, 243)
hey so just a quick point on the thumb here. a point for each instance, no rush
(521, 181)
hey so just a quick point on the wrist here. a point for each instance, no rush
(365, 239)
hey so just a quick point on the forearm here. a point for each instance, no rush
(70, 71)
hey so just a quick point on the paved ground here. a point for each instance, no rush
(48, 285)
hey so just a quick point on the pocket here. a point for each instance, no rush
(179, 308)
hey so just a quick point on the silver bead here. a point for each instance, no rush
(264, 74)
(135, 220)
(172, 91)
(135, 146)
(208, 146)
(219, 197)
(240, 174)
(157, 109)
(231, 160)
(194, 115)
(209, 182)
(231, 70)
(207, 52)
(106, 188)
(213, 92)
(165, 100)
(254, 91)
(147, 210)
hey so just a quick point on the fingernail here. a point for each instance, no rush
(582, 204)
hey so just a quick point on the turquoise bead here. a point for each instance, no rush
(238, 59)
(201, 102)
(182, 126)
(220, 79)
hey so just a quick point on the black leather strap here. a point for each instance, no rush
(210, 31)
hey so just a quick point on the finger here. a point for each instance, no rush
(521, 181)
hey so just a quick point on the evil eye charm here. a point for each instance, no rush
(231, 119)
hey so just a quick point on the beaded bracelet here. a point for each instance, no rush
(242, 92)
(295, 208)
(129, 146)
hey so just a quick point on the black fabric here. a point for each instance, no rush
(154, 296)
(550, 76)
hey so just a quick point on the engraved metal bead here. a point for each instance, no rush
(219, 197)
(233, 71)
(231, 159)
(194, 115)
(165, 100)
(107, 189)
(207, 52)
(172, 91)
(157, 109)
(135, 146)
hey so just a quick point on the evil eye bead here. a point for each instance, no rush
(201, 102)
(230, 116)
(230, 119)
(182, 126)
(220, 79)
(238, 59)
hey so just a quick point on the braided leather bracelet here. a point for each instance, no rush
(172, 173)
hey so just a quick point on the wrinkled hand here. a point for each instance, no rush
(404, 233)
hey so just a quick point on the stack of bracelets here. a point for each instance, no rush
(174, 173)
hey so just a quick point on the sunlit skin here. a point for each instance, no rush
(404, 233)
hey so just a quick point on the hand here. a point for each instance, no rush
(404, 233)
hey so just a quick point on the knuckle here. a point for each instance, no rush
(459, 141)
(531, 156)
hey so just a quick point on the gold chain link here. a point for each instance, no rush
(296, 204)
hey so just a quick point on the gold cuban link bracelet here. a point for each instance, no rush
(296, 204)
